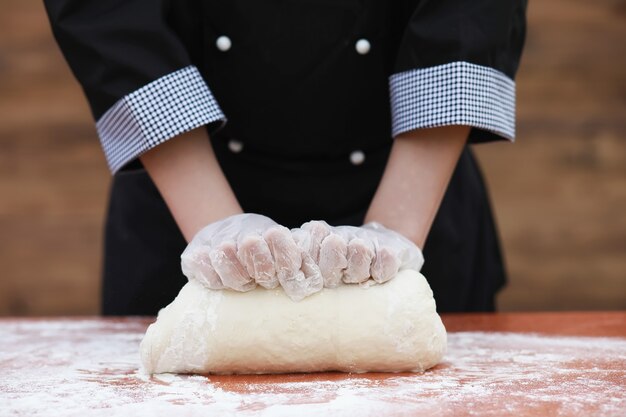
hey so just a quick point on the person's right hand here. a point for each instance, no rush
(244, 250)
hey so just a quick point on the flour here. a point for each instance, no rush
(91, 368)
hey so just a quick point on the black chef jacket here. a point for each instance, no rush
(301, 99)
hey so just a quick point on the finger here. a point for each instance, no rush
(308, 283)
(317, 231)
(286, 254)
(302, 238)
(385, 265)
(333, 259)
(196, 265)
(312, 273)
(360, 256)
(227, 266)
(408, 254)
(256, 258)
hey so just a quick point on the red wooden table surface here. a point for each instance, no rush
(569, 364)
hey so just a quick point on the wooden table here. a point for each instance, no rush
(566, 364)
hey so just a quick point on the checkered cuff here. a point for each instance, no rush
(173, 104)
(458, 93)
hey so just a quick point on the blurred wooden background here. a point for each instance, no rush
(559, 192)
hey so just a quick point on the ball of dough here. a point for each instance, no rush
(391, 327)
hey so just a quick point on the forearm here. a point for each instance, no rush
(191, 181)
(418, 171)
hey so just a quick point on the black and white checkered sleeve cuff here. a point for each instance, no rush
(171, 105)
(458, 93)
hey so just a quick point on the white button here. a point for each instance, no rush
(363, 46)
(357, 157)
(235, 146)
(223, 43)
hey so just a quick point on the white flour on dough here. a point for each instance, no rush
(389, 327)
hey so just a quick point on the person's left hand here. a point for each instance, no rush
(352, 254)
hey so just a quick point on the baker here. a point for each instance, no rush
(347, 111)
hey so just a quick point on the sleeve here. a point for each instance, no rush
(135, 70)
(456, 64)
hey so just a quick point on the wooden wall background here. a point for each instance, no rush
(559, 192)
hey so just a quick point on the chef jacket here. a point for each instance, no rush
(301, 99)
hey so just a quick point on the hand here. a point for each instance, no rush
(244, 250)
(351, 254)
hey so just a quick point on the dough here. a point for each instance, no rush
(389, 327)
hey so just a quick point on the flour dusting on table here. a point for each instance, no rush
(91, 368)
